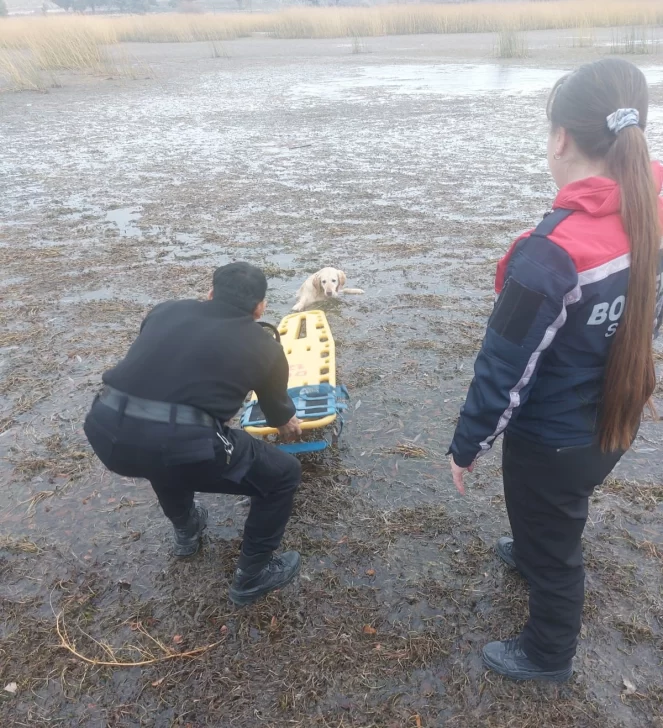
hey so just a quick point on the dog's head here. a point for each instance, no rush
(329, 281)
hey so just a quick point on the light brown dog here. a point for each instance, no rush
(326, 283)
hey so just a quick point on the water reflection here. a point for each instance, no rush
(445, 79)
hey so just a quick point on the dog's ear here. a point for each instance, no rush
(317, 283)
(341, 279)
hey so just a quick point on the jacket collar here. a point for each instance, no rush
(598, 196)
(224, 309)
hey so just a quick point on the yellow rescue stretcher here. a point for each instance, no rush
(309, 348)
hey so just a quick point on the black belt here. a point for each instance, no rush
(147, 409)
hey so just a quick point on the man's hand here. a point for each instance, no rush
(290, 430)
(458, 473)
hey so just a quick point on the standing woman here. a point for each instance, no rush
(566, 367)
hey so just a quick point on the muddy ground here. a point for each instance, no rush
(411, 164)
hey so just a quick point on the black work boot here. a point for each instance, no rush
(508, 659)
(257, 575)
(504, 550)
(189, 531)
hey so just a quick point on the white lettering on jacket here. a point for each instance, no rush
(604, 312)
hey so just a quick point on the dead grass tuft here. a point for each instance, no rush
(645, 495)
(511, 44)
(635, 630)
(19, 545)
(525, 706)
(419, 521)
(650, 549)
(617, 576)
(408, 450)
(58, 458)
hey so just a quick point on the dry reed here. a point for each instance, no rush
(511, 44)
(76, 43)
(147, 657)
(36, 45)
(636, 41)
(21, 72)
(76, 34)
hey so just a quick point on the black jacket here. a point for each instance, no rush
(207, 354)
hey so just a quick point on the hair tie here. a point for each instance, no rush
(623, 118)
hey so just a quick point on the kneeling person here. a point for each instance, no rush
(163, 411)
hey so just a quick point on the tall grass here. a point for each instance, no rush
(68, 51)
(61, 30)
(461, 18)
(34, 50)
(357, 45)
(185, 28)
(75, 42)
(511, 44)
(583, 39)
(21, 72)
(634, 41)
(340, 22)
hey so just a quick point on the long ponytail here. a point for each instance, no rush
(581, 103)
(630, 376)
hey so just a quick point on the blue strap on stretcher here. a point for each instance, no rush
(313, 401)
(295, 448)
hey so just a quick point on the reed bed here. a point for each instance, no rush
(332, 22)
(78, 43)
(186, 28)
(21, 72)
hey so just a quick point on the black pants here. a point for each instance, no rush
(547, 497)
(179, 460)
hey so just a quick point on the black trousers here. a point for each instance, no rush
(547, 497)
(180, 460)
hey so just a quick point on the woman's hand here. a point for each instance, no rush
(290, 430)
(458, 473)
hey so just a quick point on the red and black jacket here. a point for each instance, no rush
(561, 291)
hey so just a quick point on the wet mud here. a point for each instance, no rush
(411, 174)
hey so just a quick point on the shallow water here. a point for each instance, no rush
(443, 79)
(124, 218)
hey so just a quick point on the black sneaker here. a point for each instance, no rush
(504, 550)
(187, 536)
(506, 658)
(252, 582)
